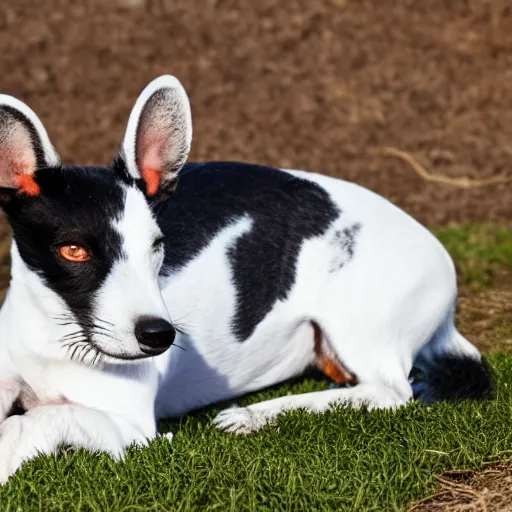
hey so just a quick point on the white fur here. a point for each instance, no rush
(47, 428)
(131, 289)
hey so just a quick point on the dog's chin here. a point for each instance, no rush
(97, 356)
(122, 358)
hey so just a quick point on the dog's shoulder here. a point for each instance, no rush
(282, 209)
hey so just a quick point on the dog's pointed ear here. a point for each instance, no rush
(159, 134)
(25, 148)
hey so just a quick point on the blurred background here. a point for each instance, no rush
(379, 92)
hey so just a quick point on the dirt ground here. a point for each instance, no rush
(467, 491)
(327, 86)
(411, 99)
(485, 318)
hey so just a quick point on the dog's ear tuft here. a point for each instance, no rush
(25, 148)
(159, 134)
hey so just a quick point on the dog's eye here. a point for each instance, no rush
(74, 253)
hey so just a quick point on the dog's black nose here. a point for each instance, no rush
(154, 335)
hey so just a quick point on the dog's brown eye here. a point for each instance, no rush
(73, 252)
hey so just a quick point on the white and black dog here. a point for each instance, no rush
(263, 272)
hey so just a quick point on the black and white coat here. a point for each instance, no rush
(263, 273)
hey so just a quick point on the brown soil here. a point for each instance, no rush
(380, 92)
(486, 318)
(325, 85)
(489, 490)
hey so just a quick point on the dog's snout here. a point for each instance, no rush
(154, 335)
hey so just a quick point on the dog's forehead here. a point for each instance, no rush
(90, 199)
(108, 196)
(81, 194)
(93, 190)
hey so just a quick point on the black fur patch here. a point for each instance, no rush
(345, 239)
(285, 211)
(454, 377)
(76, 205)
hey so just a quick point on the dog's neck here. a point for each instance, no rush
(26, 324)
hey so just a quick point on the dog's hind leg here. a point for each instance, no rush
(381, 383)
(243, 420)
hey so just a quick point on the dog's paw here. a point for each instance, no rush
(240, 420)
(10, 439)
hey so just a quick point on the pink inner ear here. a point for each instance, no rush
(17, 159)
(150, 152)
(151, 160)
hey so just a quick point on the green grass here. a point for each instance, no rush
(341, 460)
(479, 250)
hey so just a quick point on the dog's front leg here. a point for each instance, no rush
(46, 428)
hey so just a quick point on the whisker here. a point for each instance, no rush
(73, 343)
(106, 335)
(72, 336)
(94, 326)
(179, 325)
(103, 321)
(78, 346)
(85, 352)
(69, 319)
(96, 356)
(69, 334)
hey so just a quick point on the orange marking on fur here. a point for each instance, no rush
(337, 373)
(330, 366)
(152, 178)
(27, 185)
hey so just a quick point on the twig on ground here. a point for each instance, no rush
(427, 499)
(462, 182)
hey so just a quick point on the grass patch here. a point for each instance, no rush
(342, 460)
(479, 251)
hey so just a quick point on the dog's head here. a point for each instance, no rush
(86, 242)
